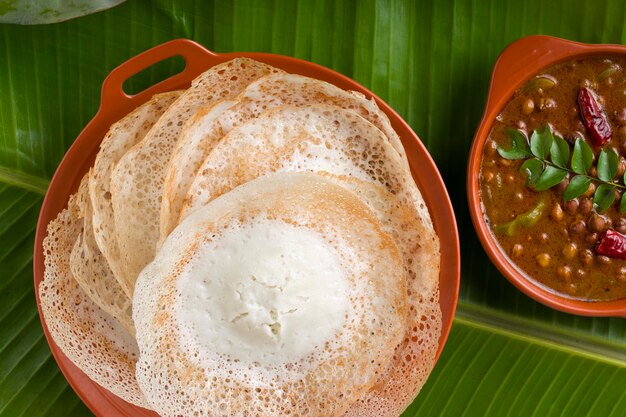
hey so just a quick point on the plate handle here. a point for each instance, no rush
(195, 57)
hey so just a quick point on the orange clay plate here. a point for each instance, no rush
(520, 61)
(115, 104)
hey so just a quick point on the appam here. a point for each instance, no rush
(414, 357)
(211, 123)
(284, 297)
(316, 138)
(137, 180)
(92, 272)
(329, 140)
(120, 138)
(92, 339)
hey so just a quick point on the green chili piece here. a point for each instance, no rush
(528, 219)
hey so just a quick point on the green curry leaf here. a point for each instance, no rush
(560, 152)
(519, 146)
(582, 157)
(604, 197)
(512, 153)
(541, 142)
(550, 177)
(533, 168)
(546, 165)
(576, 187)
(622, 205)
(607, 164)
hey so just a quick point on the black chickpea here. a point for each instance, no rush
(591, 238)
(578, 227)
(621, 167)
(570, 250)
(543, 259)
(528, 106)
(604, 260)
(579, 133)
(586, 257)
(585, 205)
(562, 186)
(596, 223)
(592, 187)
(571, 206)
(546, 103)
(571, 137)
(557, 212)
(565, 272)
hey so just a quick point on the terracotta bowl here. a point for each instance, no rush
(115, 104)
(519, 62)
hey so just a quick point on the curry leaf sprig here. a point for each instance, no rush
(547, 163)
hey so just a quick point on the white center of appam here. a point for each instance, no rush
(266, 292)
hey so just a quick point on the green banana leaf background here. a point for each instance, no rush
(430, 60)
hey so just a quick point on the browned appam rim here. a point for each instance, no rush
(115, 104)
(519, 62)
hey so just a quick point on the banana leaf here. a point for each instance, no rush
(36, 12)
(506, 355)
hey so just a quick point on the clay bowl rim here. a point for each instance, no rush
(519, 62)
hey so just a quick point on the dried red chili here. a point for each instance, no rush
(594, 117)
(612, 244)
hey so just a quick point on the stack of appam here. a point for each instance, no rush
(252, 246)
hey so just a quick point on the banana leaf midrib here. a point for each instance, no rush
(537, 332)
(23, 180)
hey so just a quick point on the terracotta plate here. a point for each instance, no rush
(115, 104)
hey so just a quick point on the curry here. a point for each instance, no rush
(552, 178)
